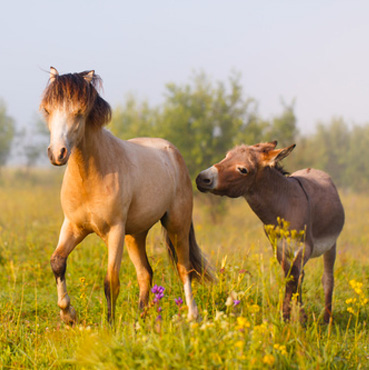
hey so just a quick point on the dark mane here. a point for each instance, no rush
(281, 170)
(82, 96)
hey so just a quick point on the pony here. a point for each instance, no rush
(307, 199)
(116, 189)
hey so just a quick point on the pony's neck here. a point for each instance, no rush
(270, 195)
(86, 158)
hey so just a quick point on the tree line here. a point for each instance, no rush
(205, 119)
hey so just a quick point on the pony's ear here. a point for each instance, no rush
(273, 156)
(89, 76)
(53, 74)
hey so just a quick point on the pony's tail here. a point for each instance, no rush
(201, 268)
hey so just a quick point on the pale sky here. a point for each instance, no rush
(314, 51)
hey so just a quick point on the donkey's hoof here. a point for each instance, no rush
(303, 316)
(69, 316)
(328, 318)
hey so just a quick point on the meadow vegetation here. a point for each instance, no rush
(241, 324)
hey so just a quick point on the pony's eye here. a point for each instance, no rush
(242, 170)
(46, 111)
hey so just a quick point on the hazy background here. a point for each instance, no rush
(314, 51)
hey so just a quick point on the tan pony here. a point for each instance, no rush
(116, 189)
(307, 199)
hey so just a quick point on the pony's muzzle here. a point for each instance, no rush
(207, 179)
(60, 157)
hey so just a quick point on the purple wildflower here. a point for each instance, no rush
(158, 318)
(159, 309)
(236, 302)
(178, 301)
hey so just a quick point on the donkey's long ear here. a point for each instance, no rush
(89, 76)
(274, 156)
(53, 74)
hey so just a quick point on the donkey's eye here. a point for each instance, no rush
(242, 170)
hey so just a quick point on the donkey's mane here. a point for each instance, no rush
(81, 95)
(281, 169)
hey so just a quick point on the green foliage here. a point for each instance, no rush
(339, 149)
(133, 120)
(7, 131)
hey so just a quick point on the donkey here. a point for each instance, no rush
(116, 189)
(307, 199)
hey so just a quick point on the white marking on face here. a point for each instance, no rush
(59, 129)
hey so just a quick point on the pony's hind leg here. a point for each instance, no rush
(136, 246)
(68, 239)
(115, 242)
(328, 281)
(180, 243)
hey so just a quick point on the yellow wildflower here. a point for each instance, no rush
(281, 348)
(242, 323)
(239, 344)
(351, 310)
(254, 308)
(268, 360)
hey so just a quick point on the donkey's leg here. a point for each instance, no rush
(136, 246)
(68, 239)
(115, 242)
(295, 275)
(328, 281)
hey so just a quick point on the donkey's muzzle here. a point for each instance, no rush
(207, 180)
(59, 157)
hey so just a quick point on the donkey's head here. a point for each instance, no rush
(237, 172)
(69, 103)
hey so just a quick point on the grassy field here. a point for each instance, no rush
(246, 335)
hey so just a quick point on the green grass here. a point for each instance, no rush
(251, 335)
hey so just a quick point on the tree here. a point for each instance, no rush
(204, 119)
(7, 131)
(284, 127)
(35, 142)
(134, 119)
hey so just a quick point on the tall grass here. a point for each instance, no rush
(241, 324)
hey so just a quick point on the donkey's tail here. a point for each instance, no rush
(201, 268)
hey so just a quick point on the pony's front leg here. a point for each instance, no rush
(115, 242)
(69, 237)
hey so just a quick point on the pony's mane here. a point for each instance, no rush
(75, 90)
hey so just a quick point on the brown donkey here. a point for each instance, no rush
(116, 189)
(307, 199)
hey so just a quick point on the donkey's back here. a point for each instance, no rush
(326, 212)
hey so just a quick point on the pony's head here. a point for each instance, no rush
(70, 103)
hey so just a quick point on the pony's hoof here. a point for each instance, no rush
(193, 315)
(69, 316)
